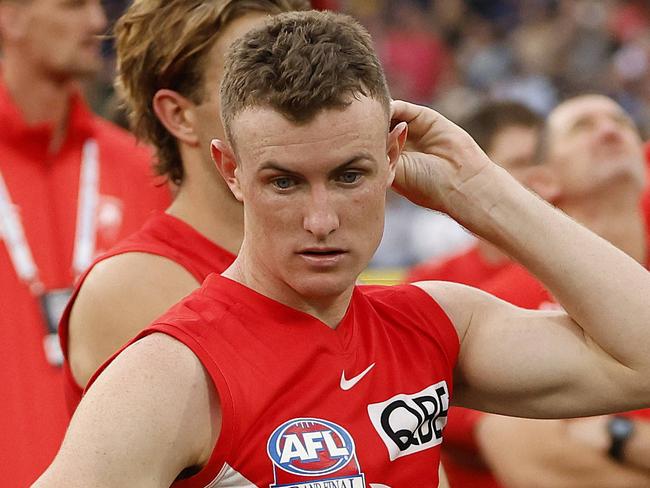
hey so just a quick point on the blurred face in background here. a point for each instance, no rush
(513, 148)
(59, 37)
(592, 145)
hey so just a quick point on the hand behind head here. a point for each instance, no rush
(438, 159)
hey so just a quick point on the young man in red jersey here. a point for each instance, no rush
(71, 186)
(170, 61)
(283, 372)
(596, 162)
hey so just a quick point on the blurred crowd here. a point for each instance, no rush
(497, 67)
(455, 55)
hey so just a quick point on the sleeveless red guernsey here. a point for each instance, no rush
(162, 235)
(307, 406)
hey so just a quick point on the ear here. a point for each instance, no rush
(224, 158)
(175, 112)
(395, 144)
(542, 180)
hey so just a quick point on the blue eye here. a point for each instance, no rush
(283, 183)
(350, 177)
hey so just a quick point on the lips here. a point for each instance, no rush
(322, 251)
(322, 256)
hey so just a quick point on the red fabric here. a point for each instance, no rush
(44, 189)
(468, 268)
(414, 62)
(516, 285)
(162, 235)
(640, 414)
(272, 364)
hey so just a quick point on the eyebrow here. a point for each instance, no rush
(275, 166)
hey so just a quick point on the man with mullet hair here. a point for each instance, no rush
(170, 62)
(72, 185)
(282, 372)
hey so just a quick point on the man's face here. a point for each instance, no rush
(61, 36)
(314, 194)
(513, 148)
(593, 144)
(207, 113)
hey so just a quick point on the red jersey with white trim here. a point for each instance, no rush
(43, 189)
(304, 405)
(163, 235)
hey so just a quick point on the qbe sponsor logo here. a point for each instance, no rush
(411, 423)
(313, 453)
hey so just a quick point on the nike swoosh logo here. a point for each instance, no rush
(347, 384)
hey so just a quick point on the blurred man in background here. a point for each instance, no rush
(170, 63)
(71, 185)
(595, 161)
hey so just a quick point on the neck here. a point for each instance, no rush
(205, 202)
(615, 215)
(255, 275)
(41, 98)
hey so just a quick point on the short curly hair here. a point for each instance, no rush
(165, 44)
(300, 63)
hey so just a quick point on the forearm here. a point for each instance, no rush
(527, 453)
(603, 290)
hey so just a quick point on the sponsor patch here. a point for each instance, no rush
(313, 453)
(411, 423)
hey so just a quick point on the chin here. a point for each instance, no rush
(321, 286)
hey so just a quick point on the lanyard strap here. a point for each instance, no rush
(84, 247)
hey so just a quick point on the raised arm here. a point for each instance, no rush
(529, 363)
(141, 423)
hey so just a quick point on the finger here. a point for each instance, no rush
(422, 121)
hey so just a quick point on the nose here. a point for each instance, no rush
(97, 17)
(320, 216)
(609, 130)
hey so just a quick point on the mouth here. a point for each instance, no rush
(322, 256)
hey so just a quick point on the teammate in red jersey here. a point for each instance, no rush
(283, 371)
(508, 133)
(71, 186)
(170, 57)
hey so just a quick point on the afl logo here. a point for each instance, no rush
(310, 447)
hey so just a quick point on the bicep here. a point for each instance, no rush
(525, 362)
(148, 416)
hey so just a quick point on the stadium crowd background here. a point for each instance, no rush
(455, 54)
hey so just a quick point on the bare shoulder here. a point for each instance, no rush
(157, 356)
(121, 296)
(152, 413)
(461, 303)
